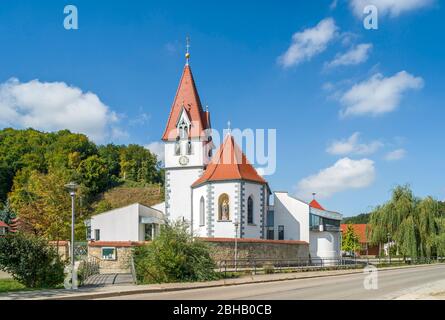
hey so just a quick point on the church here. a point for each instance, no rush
(218, 191)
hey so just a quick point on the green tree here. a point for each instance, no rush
(350, 240)
(139, 164)
(93, 174)
(412, 223)
(31, 261)
(7, 214)
(173, 257)
(110, 153)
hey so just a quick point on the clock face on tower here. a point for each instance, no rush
(183, 161)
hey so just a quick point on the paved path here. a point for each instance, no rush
(391, 285)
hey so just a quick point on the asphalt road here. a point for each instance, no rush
(391, 284)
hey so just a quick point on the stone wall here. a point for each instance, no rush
(224, 249)
(62, 248)
(122, 261)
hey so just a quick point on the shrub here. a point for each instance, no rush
(31, 261)
(269, 268)
(173, 257)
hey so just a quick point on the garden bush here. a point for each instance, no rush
(174, 256)
(31, 261)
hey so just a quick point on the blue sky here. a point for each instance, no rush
(121, 68)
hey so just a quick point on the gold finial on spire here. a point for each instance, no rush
(187, 52)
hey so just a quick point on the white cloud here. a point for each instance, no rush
(52, 106)
(308, 43)
(395, 155)
(378, 95)
(345, 174)
(158, 149)
(351, 145)
(392, 8)
(354, 56)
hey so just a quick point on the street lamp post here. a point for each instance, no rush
(72, 188)
(236, 223)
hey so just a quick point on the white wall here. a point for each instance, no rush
(293, 214)
(117, 225)
(198, 229)
(254, 190)
(325, 245)
(122, 224)
(160, 207)
(178, 188)
(225, 229)
(197, 158)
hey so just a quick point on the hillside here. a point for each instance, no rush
(127, 194)
(361, 218)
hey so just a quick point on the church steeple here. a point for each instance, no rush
(187, 99)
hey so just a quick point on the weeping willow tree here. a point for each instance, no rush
(415, 225)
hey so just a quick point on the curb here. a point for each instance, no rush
(98, 295)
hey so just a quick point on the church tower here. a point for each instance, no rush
(187, 144)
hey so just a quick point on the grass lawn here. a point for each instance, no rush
(8, 285)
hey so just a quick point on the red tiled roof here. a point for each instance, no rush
(115, 243)
(314, 204)
(187, 97)
(229, 163)
(2, 224)
(359, 230)
(248, 240)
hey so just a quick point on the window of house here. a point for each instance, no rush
(201, 212)
(189, 147)
(280, 232)
(270, 233)
(270, 218)
(250, 210)
(88, 232)
(223, 207)
(97, 234)
(177, 148)
(108, 253)
(2, 231)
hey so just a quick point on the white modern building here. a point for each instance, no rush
(295, 219)
(219, 193)
(135, 222)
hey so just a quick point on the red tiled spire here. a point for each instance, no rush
(229, 163)
(187, 98)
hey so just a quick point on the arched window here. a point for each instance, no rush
(223, 207)
(189, 147)
(177, 148)
(201, 212)
(250, 210)
(183, 130)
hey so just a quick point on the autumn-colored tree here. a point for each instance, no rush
(43, 205)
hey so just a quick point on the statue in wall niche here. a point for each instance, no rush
(225, 210)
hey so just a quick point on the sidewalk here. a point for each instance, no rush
(118, 290)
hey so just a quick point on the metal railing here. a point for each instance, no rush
(88, 267)
(257, 266)
(279, 265)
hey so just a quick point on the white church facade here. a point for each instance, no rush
(219, 192)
